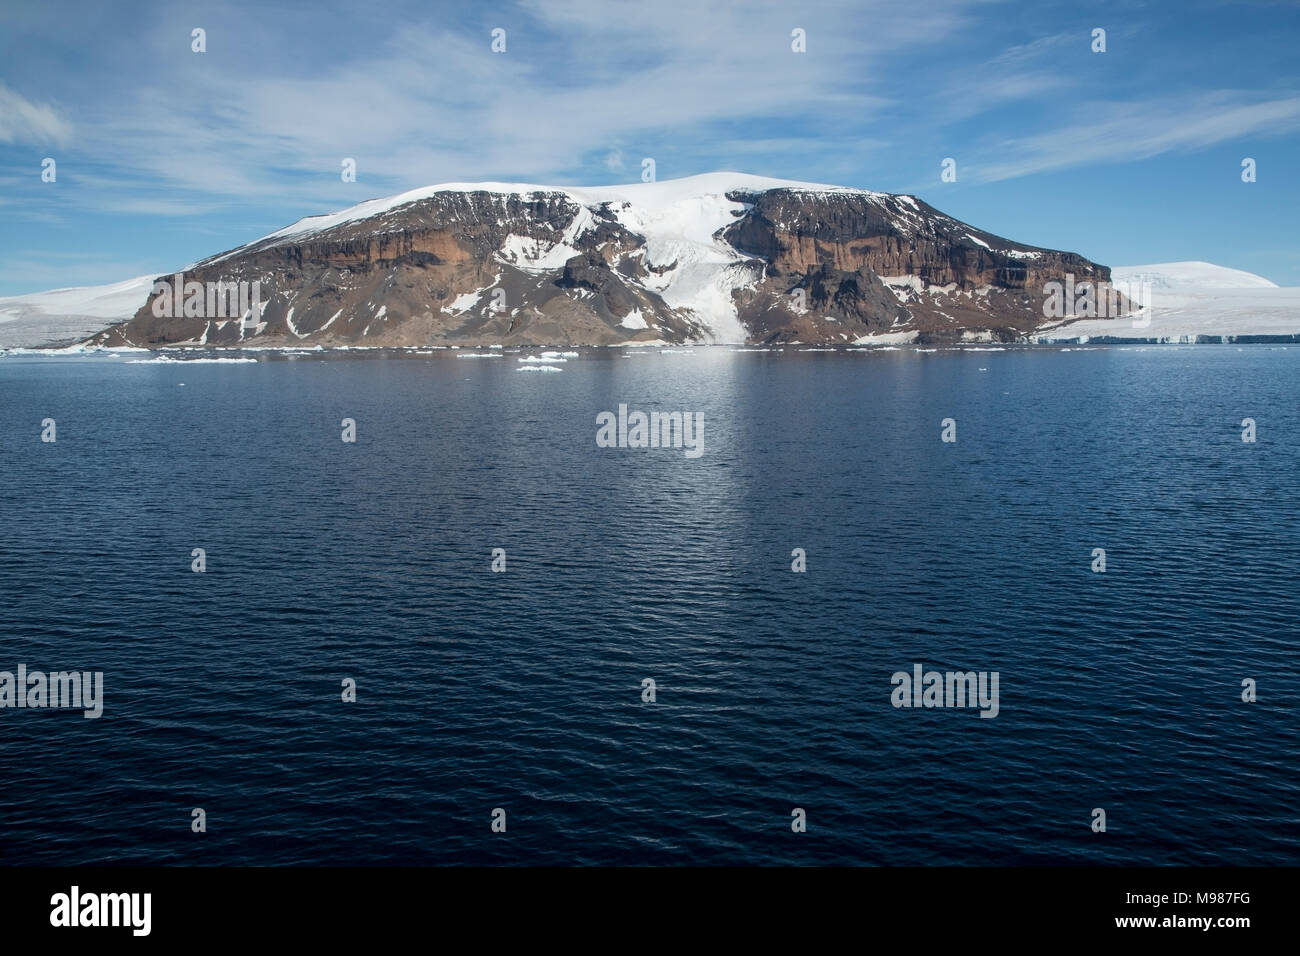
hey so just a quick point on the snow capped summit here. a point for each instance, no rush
(660, 197)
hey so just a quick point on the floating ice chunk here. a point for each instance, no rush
(168, 360)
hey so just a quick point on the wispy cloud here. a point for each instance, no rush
(579, 80)
(22, 121)
(1120, 132)
(580, 84)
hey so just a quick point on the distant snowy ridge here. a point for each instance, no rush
(1190, 277)
(659, 200)
(1192, 301)
(75, 313)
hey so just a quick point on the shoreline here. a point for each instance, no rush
(252, 352)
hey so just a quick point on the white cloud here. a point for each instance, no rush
(1121, 132)
(22, 121)
(431, 104)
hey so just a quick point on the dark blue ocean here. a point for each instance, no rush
(522, 690)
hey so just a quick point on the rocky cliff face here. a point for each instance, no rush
(716, 258)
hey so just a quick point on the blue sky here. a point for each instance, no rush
(165, 156)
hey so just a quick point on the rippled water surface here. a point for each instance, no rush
(522, 690)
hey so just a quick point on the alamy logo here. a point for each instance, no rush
(656, 430)
(1098, 300)
(75, 908)
(58, 689)
(207, 300)
(923, 688)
